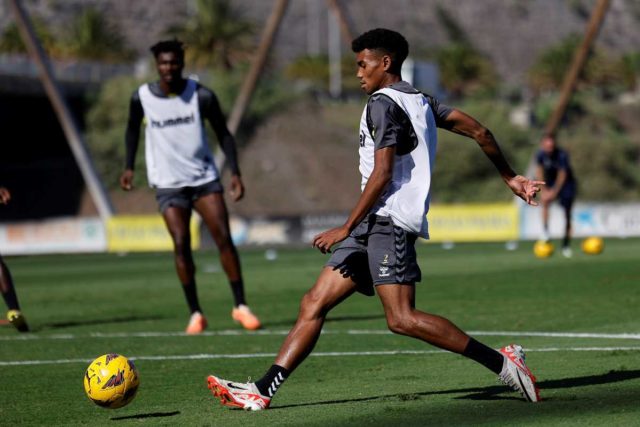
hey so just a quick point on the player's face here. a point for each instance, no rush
(548, 145)
(169, 67)
(371, 70)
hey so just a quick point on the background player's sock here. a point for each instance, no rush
(6, 288)
(272, 380)
(192, 296)
(11, 299)
(237, 288)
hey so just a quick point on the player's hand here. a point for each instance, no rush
(325, 240)
(5, 196)
(126, 180)
(525, 188)
(237, 188)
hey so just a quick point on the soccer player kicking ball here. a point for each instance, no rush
(397, 156)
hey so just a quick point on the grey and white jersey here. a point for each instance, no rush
(402, 116)
(176, 148)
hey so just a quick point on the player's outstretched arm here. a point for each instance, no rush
(463, 124)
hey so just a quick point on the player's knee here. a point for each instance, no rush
(224, 242)
(181, 244)
(312, 305)
(400, 324)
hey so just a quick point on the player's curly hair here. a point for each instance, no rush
(387, 41)
(175, 46)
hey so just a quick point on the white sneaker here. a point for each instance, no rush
(566, 252)
(516, 375)
(238, 395)
(544, 236)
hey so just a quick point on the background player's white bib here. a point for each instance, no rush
(406, 199)
(176, 148)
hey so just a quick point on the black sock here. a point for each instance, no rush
(484, 355)
(11, 299)
(272, 380)
(192, 296)
(237, 288)
(9, 293)
(566, 241)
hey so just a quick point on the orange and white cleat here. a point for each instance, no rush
(517, 375)
(238, 395)
(243, 315)
(197, 324)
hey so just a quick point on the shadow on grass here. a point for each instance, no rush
(492, 392)
(70, 324)
(143, 416)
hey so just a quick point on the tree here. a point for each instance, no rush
(548, 72)
(92, 37)
(216, 35)
(11, 41)
(630, 65)
(463, 69)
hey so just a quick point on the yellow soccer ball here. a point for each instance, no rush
(543, 249)
(593, 245)
(111, 381)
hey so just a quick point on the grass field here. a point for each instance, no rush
(578, 319)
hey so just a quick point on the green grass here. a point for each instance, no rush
(81, 306)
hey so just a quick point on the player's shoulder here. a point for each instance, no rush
(202, 89)
(205, 94)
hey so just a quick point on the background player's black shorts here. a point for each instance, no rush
(377, 252)
(567, 195)
(185, 196)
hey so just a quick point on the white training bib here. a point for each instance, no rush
(177, 152)
(406, 199)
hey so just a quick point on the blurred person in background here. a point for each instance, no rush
(554, 168)
(14, 315)
(181, 168)
(397, 147)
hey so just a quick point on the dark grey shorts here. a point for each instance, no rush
(377, 252)
(185, 196)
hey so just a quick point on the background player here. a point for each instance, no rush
(554, 168)
(14, 315)
(180, 166)
(397, 149)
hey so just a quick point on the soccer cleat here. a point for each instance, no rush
(238, 395)
(516, 375)
(16, 318)
(243, 315)
(197, 324)
(566, 252)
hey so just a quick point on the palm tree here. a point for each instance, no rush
(11, 41)
(92, 37)
(216, 34)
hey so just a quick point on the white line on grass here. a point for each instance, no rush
(318, 354)
(273, 332)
